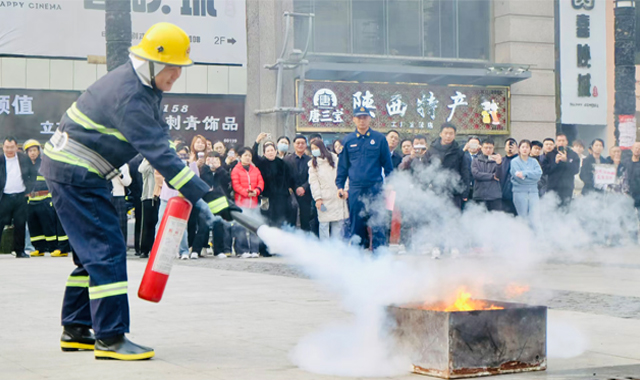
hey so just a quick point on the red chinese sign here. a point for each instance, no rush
(410, 108)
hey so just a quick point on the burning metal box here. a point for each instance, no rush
(502, 338)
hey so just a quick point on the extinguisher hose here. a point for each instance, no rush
(246, 221)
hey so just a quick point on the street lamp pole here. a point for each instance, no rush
(625, 69)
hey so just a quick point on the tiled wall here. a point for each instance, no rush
(59, 74)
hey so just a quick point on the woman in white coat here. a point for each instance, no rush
(332, 211)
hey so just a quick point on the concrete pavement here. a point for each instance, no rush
(219, 319)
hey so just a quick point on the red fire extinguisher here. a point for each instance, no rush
(172, 227)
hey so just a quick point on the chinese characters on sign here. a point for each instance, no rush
(583, 78)
(329, 107)
(214, 117)
(33, 114)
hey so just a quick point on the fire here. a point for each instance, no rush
(463, 302)
(513, 290)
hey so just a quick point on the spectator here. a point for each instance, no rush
(525, 174)
(485, 169)
(283, 146)
(588, 166)
(406, 147)
(232, 159)
(248, 184)
(633, 177)
(135, 195)
(393, 139)
(620, 185)
(198, 150)
(561, 165)
(17, 176)
(299, 166)
(511, 150)
(150, 204)
(416, 159)
(472, 149)
(247, 181)
(448, 153)
(548, 145)
(118, 193)
(332, 211)
(365, 157)
(216, 176)
(221, 149)
(536, 149)
(209, 146)
(278, 182)
(578, 147)
(337, 146)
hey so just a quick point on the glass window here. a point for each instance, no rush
(404, 28)
(368, 27)
(473, 29)
(414, 28)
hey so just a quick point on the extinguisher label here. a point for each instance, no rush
(169, 244)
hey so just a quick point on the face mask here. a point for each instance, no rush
(183, 156)
(282, 147)
(316, 152)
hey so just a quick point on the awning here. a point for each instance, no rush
(366, 68)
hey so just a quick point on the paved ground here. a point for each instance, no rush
(239, 319)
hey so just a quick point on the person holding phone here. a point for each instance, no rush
(561, 165)
(485, 169)
(332, 211)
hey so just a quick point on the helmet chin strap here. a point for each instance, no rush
(152, 75)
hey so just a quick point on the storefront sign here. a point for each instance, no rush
(412, 108)
(583, 71)
(75, 28)
(33, 114)
(212, 116)
(604, 174)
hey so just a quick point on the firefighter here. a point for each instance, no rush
(116, 118)
(46, 232)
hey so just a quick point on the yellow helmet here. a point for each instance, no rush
(30, 144)
(164, 43)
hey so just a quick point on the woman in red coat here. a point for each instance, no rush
(246, 180)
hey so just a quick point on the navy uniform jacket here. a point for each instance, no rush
(119, 117)
(363, 159)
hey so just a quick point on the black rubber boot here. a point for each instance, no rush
(121, 348)
(76, 338)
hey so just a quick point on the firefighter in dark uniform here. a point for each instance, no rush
(46, 232)
(364, 157)
(116, 118)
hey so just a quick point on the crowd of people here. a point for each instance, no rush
(320, 187)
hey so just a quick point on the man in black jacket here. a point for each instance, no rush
(393, 139)
(298, 163)
(449, 154)
(17, 177)
(561, 165)
(485, 170)
(511, 150)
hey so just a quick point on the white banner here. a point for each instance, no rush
(604, 174)
(75, 28)
(583, 71)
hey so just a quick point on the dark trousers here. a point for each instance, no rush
(63, 239)
(121, 209)
(137, 230)
(493, 205)
(565, 195)
(304, 206)
(279, 210)
(96, 292)
(13, 207)
(221, 237)
(42, 225)
(149, 211)
(361, 217)
(509, 207)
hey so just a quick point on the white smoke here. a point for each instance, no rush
(495, 248)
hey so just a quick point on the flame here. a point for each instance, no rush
(513, 290)
(463, 302)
